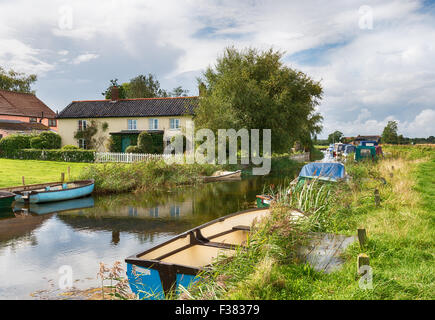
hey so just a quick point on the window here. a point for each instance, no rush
(52, 122)
(154, 124)
(175, 211)
(131, 124)
(33, 120)
(82, 125)
(154, 212)
(82, 144)
(174, 124)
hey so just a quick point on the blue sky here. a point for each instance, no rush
(375, 59)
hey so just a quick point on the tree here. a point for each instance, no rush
(389, 135)
(179, 92)
(16, 81)
(145, 87)
(122, 90)
(254, 90)
(336, 136)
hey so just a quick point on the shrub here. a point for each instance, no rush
(36, 143)
(145, 142)
(50, 140)
(70, 147)
(133, 149)
(55, 155)
(13, 142)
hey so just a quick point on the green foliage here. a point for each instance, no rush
(255, 90)
(93, 134)
(389, 135)
(150, 142)
(36, 143)
(54, 155)
(115, 143)
(14, 142)
(70, 147)
(49, 140)
(16, 81)
(133, 149)
(336, 136)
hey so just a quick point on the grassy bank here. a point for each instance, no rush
(401, 237)
(34, 171)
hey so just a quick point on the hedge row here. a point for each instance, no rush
(53, 155)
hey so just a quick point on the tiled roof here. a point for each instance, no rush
(23, 104)
(150, 107)
(21, 126)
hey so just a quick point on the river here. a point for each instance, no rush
(37, 244)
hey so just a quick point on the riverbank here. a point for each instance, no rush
(400, 231)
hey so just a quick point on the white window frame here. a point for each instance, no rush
(174, 124)
(130, 125)
(51, 121)
(152, 124)
(83, 126)
(82, 144)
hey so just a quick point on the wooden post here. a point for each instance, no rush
(69, 173)
(363, 260)
(24, 182)
(362, 237)
(377, 198)
(62, 177)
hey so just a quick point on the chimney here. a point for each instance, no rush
(114, 93)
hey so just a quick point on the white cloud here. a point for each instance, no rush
(84, 58)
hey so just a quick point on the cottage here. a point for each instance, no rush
(126, 119)
(26, 107)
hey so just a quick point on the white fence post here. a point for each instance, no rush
(128, 157)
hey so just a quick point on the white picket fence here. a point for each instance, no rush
(126, 157)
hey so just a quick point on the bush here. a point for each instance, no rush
(36, 143)
(14, 142)
(133, 149)
(70, 147)
(55, 155)
(50, 140)
(145, 142)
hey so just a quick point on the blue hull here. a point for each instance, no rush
(59, 195)
(51, 207)
(147, 285)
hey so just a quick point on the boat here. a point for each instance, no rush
(156, 272)
(6, 199)
(54, 207)
(365, 152)
(263, 200)
(224, 175)
(368, 143)
(322, 171)
(55, 192)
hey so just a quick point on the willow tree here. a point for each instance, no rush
(254, 90)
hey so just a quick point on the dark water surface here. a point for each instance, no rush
(83, 232)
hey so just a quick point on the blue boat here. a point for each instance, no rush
(324, 171)
(52, 207)
(157, 272)
(55, 192)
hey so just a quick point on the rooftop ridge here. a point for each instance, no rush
(158, 98)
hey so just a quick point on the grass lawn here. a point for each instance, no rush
(35, 171)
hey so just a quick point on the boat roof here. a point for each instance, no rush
(324, 170)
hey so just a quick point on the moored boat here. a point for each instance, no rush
(55, 207)
(55, 192)
(157, 271)
(224, 175)
(365, 152)
(6, 199)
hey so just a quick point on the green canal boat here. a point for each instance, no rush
(365, 152)
(6, 199)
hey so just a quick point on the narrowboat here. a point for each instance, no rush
(6, 199)
(55, 192)
(156, 272)
(224, 175)
(365, 152)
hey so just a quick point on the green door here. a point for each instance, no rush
(125, 142)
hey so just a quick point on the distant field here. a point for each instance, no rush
(34, 171)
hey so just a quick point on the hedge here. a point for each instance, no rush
(14, 142)
(54, 155)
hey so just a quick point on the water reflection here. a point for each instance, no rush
(37, 239)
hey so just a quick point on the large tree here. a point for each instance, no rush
(389, 135)
(16, 81)
(336, 136)
(254, 90)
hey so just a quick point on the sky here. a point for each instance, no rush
(374, 59)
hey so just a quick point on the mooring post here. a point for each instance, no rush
(377, 198)
(24, 182)
(363, 260)
(69, 173)
(362, 237)
(62, 177)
